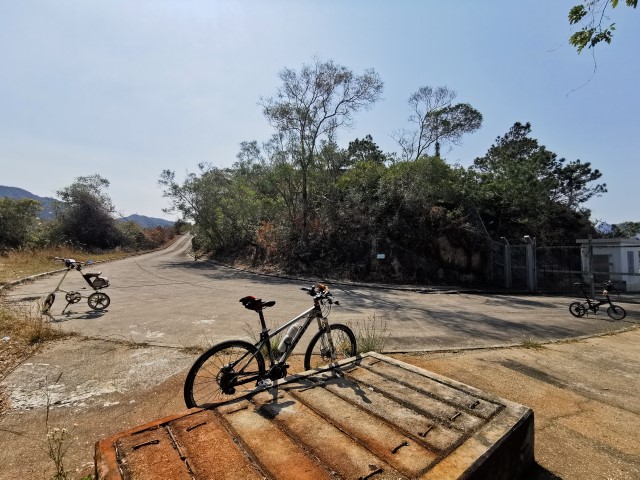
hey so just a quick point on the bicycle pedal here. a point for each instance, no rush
(264, 383)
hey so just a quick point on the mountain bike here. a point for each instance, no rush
(580, 308)
(97, 300)
(220, 371)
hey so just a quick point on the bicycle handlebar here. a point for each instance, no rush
(320, 291)
(71, 263)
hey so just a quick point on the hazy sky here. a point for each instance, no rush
(129, 88)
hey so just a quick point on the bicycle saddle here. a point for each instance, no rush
(253, 303)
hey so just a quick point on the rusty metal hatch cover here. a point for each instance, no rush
(370, 417)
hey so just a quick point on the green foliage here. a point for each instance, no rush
(301, 203)
(364, 150)
(133, 236)
(624, 230)
(220, 203)
(592, 13)
(84, 215)
(18, 221)
(522, 188)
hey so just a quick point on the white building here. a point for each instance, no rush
(615, 259)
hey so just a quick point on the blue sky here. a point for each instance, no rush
(127, 89)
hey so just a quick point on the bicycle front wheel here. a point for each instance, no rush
(577, 309)
(216, 374)
(616, 312)
(98, 301)
(319, 352)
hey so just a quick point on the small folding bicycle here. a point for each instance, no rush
(580, 308)
(217, 373)
(97, 300)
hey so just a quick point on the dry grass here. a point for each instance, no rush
(18, 264)
(531, 343)
(25, 326)
(371, 334)
(22, 332)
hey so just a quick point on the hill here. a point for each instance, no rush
(48, 203)
(18, 194)
(147, 222)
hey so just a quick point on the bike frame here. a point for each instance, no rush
(265, 340)
(78, 267)
(592, 302)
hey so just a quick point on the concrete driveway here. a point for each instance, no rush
(166, 298)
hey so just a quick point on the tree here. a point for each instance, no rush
(575, 183)
(17, 220)
(365, 150)
(220, 203)
(522, 188)
(313, 104)
(626, 230)
(436, 120)
(593, 15)
(85, 214)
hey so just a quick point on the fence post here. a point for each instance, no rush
(592, 278)
(507, 263)
(531, 263)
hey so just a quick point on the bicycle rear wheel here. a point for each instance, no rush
(577, 309)
(48, 303)
(319, 351)
(616, 312)
(216, 374)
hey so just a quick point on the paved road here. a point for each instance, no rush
(167, 298)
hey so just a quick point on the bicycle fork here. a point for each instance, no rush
(326, 341)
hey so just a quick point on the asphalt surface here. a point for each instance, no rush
(128, 366)
(166, 298)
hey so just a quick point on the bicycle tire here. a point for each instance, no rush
(203, 386)
(616, 312)
(344, 341)
(98, 301)
(577, 309)
(48, 302)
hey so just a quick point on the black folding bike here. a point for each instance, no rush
(218, 373)
(580, 308)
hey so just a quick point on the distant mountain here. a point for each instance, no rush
(19, 194)
(147, 222)
(48, 203)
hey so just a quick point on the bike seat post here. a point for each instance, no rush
(262, 321)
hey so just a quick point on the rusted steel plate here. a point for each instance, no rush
(370, 417)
